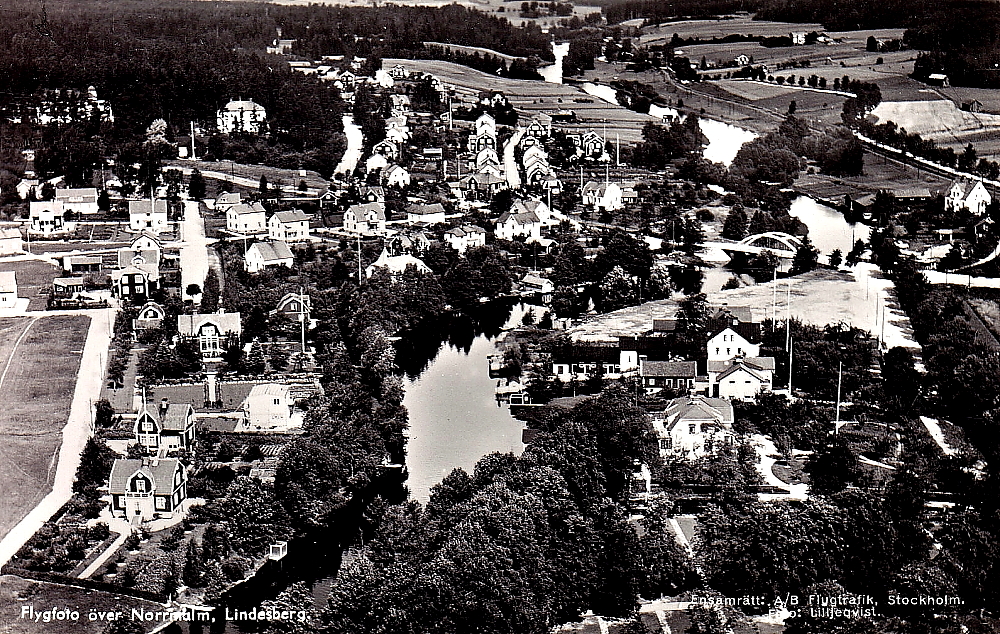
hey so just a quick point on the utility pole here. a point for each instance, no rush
(303, 315)
(359, 260)
(788, 318)
(790, 344)
(840, 379)
(192, 141)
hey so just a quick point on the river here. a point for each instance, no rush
(454, 417)
(827, 228)
(554, 72)
(724, 140)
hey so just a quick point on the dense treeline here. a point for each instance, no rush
(963, 39)
(656, 12)
(847, 16)
(523, 543)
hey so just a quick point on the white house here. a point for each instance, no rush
(388, 149)
(729, 344)
(694, 426)
(430, 214)
(740, 378)
(244, 218)
(537, 207)
(396, 264)
(262, 255)
(368, 218)
(606, 196)
(268, 406)
(227, 200)
(146, 215)
(968, 195)
(396, 176)
(241, 116)
(8, 289)
(376, 162)
(10, 241)
(511, 225)
(79, 201)
(213, 331)
(465, 237)
(47, 218)
(288, 226)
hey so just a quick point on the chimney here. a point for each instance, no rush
(164, 404)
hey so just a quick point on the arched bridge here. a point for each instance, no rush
(781, 244)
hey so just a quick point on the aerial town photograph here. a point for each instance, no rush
(499, 317)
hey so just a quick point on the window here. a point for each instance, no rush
(161, 503)
(147, 426)
(140, 485)
(728, 350)
(716, 351)
(692, 429)
(277, 401)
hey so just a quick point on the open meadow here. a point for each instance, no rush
(34, 277)
(39, 363)
(537, 96)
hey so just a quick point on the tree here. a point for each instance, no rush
(192, 290)
(806, 257)
(618, 290)
(48, 191)
(836, 258)
(792, 107)
(95, 465)
(194, 566)
(210, 292)
(196, 185)
(263, 186)
(254, 362)
(832, 467)
(735, 226)
(104, 413)
(104, 201)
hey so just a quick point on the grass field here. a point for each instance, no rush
(39, 362)
(34, 279)
(537, 96)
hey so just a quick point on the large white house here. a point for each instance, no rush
(429, 214)
(606, 196)
(268, 406)
(465, 237)
(263, 255)
(241, 116)
(740, 378)
(78, 201)
(368, 218)
(968, 195)
(694, 426)
(213, 331)
(47, 218)
(148, 215)
(10, 241)
(288, 226)
(729, 344)
(511, 225)
(244, 218)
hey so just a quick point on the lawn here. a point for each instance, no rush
(34, 279)
(37, 381)
(16, 592)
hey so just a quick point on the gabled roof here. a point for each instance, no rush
(362, 211)
(240, 209)
(682, 369)
(88, 193)
(698, 408)
(425, 210)
(296, 215)
(144, 206)
(10, 234)
(303, 299)
(146, 233)
(754, 363)
(160, 472)
(966, 186)
(228, 198)
(535, 280)
(243, 104)
(189, 325)
(520, 219)
(465, 230)
(272, 251)
(149, 256)
(270, 389)
(147, 306)
(741, 313)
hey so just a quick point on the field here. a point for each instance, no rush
(819, 297)
(537, 96)
(707, 29)
(34, 279)
(879, 174)
(39, 362)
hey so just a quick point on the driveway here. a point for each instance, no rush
(765, 448)
(509, 163)
(194, 249)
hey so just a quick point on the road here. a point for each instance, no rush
(74, 435)
(194, 251)
(509, 163)
(355, 142)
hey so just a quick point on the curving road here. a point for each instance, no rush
(509, 163)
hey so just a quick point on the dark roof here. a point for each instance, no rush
(161, 472)
(296, 215)
(425, 210)
(578, 353)
(273, 251)
(664, 325)
(684, 369)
